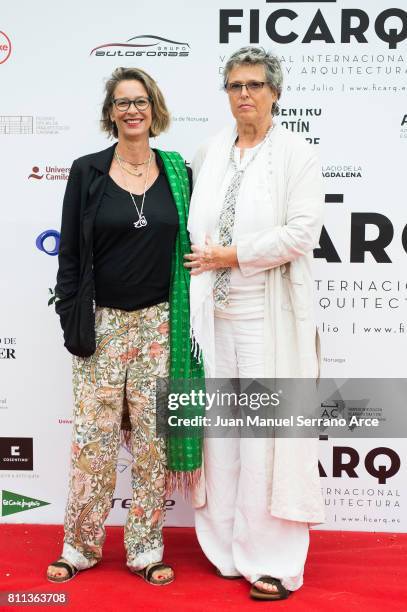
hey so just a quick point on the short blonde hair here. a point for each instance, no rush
(160, 114)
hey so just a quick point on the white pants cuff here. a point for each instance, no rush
(144, 559)
(76, 558)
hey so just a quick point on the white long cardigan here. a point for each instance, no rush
(284, 251)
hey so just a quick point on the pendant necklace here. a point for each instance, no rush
(135, 171)
(141, 221)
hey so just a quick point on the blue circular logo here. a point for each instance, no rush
(51, 233)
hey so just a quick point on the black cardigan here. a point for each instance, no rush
(74, 290)
(85, 187)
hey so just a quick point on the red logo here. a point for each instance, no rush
(35, 174)
(5, 47)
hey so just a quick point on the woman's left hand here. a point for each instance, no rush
(210, 257)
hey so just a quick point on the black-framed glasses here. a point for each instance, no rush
(123, 104)
(251, 86)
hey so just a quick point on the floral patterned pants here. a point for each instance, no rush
(132, 350)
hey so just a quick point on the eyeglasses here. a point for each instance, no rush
(252, 87)
(123, 104)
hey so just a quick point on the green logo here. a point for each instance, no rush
(13, 502)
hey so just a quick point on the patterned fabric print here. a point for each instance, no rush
(184, 453)
(226, 224)
(143, 530)
(132, 349)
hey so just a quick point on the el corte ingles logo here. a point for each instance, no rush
(14, 502)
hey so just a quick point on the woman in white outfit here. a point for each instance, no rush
(256, 215)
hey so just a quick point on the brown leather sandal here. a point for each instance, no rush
(219, 573)
(71, 569)
(147, 573)
(281, 593)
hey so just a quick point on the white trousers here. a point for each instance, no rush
(235, 528)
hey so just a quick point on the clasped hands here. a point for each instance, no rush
(210, 257)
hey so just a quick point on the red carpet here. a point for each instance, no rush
(345, 571)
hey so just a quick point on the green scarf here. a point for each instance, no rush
(184, 448)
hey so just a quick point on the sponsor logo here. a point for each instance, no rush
(190, 119)
(300, 120)
(24, 124)
(144, 45)
(5, 47)
(49, 126)
(51, 173)
(7, 351)
(34, 174)
(341, 171)
(381, 463)
(360, 243)
(355, 26)
(125, 503)
(14, 502)
(349, 498)
(48, 242)
(361, 295)
(16, 124)
(16, 453)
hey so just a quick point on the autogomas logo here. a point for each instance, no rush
(5, 47)
(146, 45)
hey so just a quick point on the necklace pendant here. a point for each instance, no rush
(142, 222)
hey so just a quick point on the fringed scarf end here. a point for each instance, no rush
(195, 348)
(183, 482)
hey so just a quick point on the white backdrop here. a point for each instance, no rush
(347, 95)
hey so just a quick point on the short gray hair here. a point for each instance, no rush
(258, 56)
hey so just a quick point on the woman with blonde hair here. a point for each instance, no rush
(122, 297)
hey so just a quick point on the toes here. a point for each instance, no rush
(264, 586)
(57, 572)
(163, 575)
